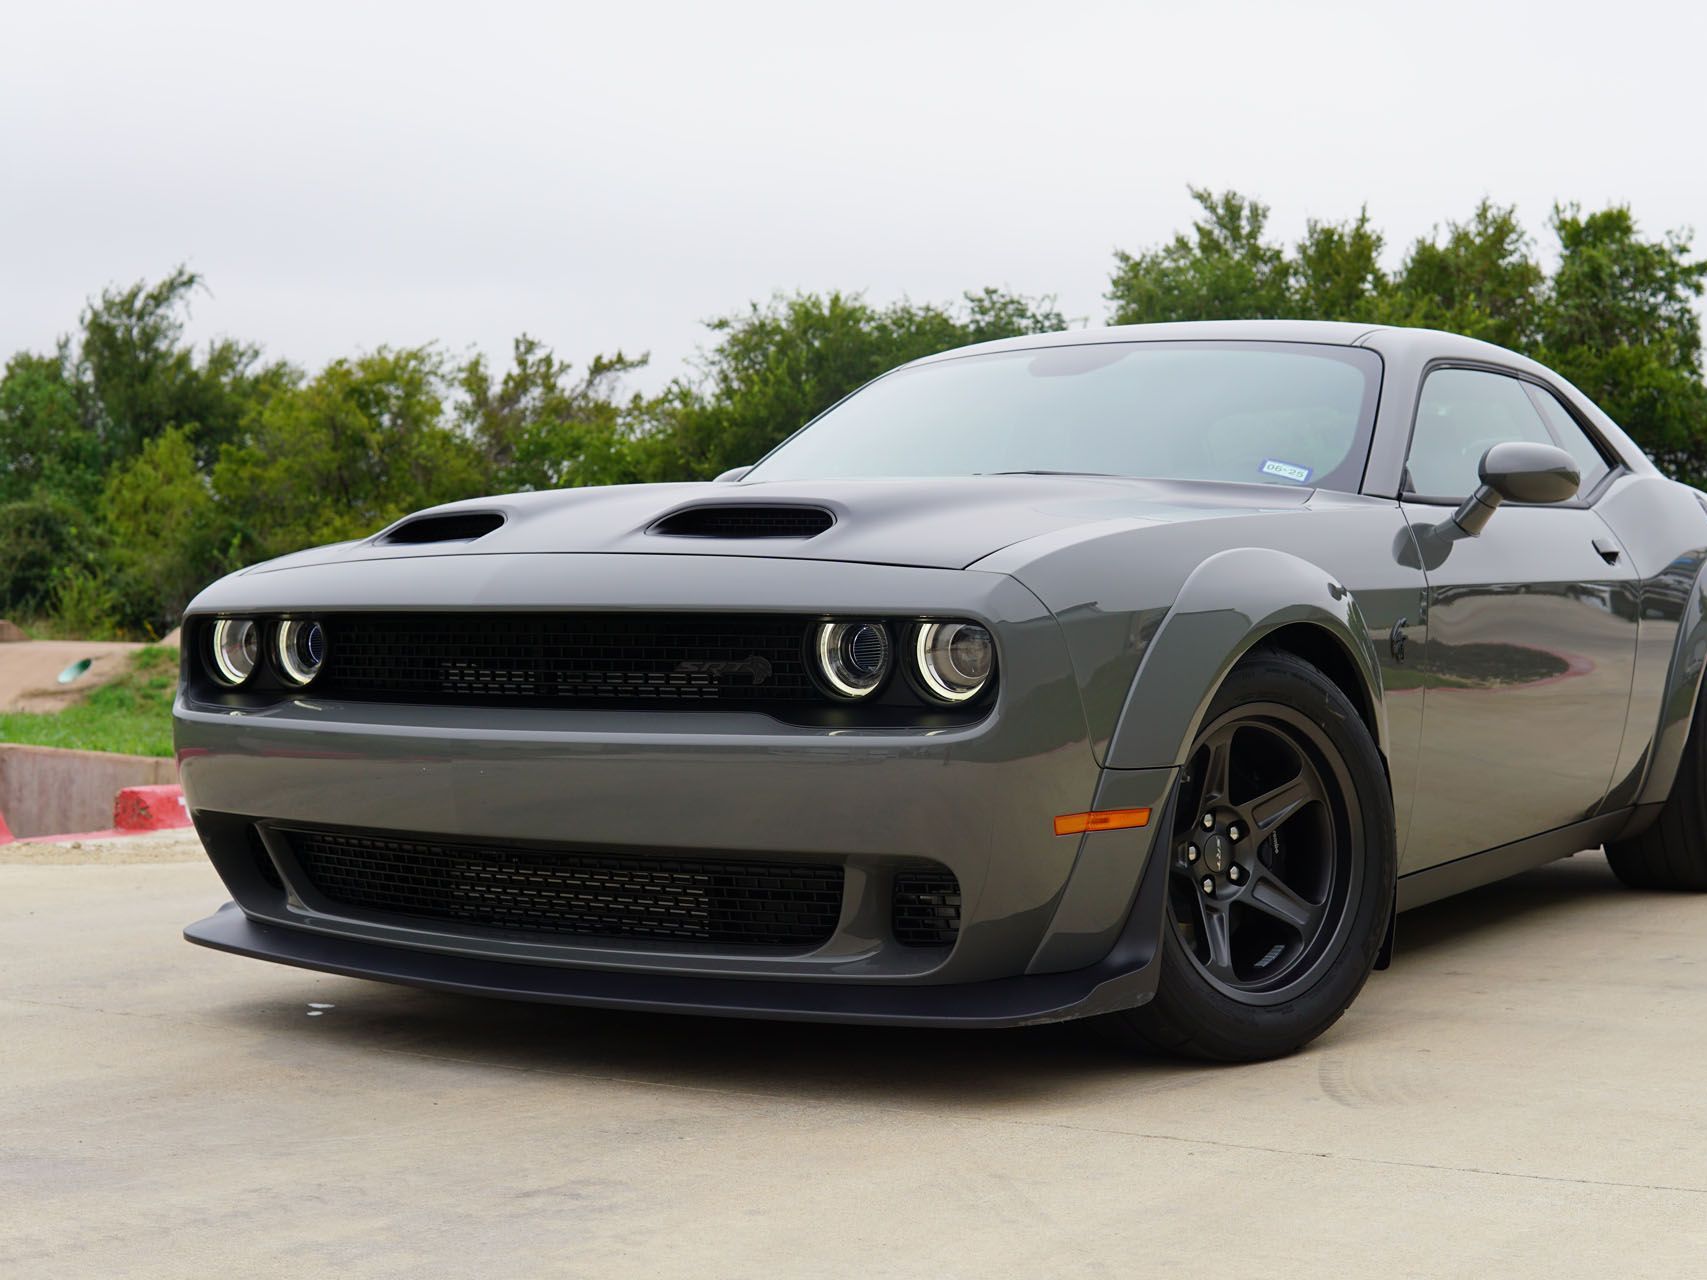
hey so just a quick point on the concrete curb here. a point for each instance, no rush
(151, 808)
(136, 811)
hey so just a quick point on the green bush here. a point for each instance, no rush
(41, 539)
(86, 605)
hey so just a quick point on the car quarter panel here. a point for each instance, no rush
(1662, 528)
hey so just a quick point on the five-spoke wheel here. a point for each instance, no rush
(1280, 867)
(1260, 877)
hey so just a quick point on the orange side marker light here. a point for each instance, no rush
(1072, 824)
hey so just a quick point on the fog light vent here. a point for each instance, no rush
(926, 908)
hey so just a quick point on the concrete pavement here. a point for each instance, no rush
(1519, 1095)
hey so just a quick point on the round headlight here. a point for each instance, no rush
(955, 659)
(853, 657)
(302, 648)
(236, 646)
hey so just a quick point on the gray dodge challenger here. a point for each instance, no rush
(1141, 674)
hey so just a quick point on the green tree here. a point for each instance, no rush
(42, 538)
(167, 535)
(1482, 280)
(1223, 269)
(138, 377)
(1336, 272)
(44, 446)
(366, 441)
(539, 427)
(1620, 321)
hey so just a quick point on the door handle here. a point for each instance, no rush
(1609, 550)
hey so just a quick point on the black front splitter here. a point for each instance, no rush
(1116, 983)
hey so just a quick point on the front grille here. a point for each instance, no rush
(753, 521)
(568, 659)
(926, 908)
(591, 895)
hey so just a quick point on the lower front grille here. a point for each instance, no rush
(926, 910)
(592, 895)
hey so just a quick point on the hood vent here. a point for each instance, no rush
(460, 526)
(752, 520)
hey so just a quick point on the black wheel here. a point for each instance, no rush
(1280, 869)
(1672, 852)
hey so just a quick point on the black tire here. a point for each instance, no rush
(1216, 999)
(1672, 852)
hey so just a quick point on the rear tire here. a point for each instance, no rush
(1672, 853)
(1276, 911)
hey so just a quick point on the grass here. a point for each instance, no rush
(133, 714)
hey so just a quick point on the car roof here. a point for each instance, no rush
(1391, 339)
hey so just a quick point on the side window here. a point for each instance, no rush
(1463, 413)
(1571, 437)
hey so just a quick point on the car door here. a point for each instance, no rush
(1529, 627)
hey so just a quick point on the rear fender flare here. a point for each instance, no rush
(1682, 694)
(1229, 605)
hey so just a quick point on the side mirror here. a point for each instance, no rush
(1518, 471)
(732, 475)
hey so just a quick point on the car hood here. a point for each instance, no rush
(949, 523)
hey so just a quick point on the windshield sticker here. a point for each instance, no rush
(1285, 470)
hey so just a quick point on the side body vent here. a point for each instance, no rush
(753, 520)
(460, 526)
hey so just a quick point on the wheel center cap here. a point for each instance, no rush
(1217, 852)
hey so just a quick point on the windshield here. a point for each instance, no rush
(1268, 412)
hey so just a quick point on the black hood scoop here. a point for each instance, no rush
(747, 520)
(453, 526)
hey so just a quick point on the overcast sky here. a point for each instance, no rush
(611, 175)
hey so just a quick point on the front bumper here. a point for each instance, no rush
(1050, 926)
(1125, 978)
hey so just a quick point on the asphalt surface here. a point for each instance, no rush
(1519, 1095)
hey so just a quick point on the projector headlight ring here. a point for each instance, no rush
(235, 647)
(852, 657)
(953, 660)
(301, 650)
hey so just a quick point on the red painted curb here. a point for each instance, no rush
(136, 810)
(156, 808)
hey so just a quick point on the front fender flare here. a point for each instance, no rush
(1228, 605)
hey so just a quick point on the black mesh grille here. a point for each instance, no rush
(927, 908)
(557, 659)
(762, 904)
(757, 521)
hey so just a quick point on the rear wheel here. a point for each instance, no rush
(1280, 869)
(1672, 853)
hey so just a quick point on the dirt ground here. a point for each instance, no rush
(29, 671)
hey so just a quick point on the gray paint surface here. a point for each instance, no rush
(1537, 685)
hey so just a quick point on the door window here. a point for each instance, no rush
(1571, 437)
(1461, 415)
